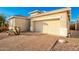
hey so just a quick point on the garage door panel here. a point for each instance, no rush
(52, 27)
(38, 26)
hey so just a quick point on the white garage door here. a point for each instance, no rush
(38, 26)
(48, 27)
(51, 27)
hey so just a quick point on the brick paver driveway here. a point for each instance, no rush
(27, 42)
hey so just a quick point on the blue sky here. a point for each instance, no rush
(74, 13)
(10, 11)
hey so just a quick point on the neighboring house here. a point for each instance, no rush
(19, 21)
(77, 24)
(52, 22)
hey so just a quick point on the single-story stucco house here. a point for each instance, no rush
(53, 22)
(19, 21)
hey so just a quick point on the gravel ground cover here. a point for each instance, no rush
(27, 42)
(32, 41)
(72, 44)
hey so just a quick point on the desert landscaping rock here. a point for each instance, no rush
(71, 45)
(28, 42)
(3, 35)
(31, 41)
(62, 40)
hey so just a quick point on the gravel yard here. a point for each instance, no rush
(72, 44)
(36, 42)
(27, 42)
(3, 35)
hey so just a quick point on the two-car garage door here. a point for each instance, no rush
(49, 27)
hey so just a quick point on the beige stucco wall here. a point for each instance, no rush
(11, 23)
(23, 23)
(62, 23)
